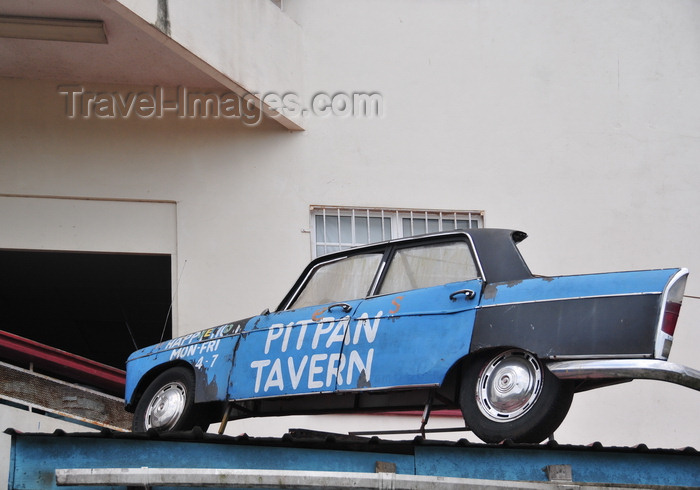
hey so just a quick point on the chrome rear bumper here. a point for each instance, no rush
(627, 369)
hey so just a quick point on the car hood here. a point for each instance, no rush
(226, 330)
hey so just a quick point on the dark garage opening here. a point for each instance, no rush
(96, 305)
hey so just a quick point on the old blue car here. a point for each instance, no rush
(441, 321)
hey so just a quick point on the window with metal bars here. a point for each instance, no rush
(336, 228)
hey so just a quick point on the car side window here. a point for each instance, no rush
(430, 265)
(340, 280)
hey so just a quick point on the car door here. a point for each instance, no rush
(298, 350)
(419, 324)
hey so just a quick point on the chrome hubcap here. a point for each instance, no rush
(166, 407)
(509, 386)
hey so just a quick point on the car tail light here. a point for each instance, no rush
(670, 318)
(672, 308)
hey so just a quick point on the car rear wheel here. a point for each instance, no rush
(512, 395)
(168, 403)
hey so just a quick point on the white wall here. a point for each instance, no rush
(574, 121)
(51, 223)
(25, 421)
(250, 41)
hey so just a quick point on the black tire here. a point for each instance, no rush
(512, 395)
(168, 404)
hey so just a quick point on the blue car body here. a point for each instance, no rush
(387, 349)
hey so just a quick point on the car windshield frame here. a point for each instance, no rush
(388, 250)
(367, 277)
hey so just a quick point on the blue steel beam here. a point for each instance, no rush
(35, 458)
(594, 466)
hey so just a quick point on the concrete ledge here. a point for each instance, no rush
(239, 478)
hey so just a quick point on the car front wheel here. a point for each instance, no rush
(168, 403)
(512, 395)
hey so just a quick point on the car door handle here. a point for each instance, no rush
(468, 294)
(346, 307)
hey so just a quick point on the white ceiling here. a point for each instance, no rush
(132, 55)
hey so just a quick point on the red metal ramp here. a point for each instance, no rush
(61, 384)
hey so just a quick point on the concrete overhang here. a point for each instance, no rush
(139, 52)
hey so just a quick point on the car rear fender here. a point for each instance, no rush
(610, 315)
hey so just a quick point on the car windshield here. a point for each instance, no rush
(340, 280)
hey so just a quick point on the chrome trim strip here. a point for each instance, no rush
(282, 395)
(645, 293)
(377, 276)
(590, 357)
(337, 392)
(627, 369)
(389, 388)
(476, 257)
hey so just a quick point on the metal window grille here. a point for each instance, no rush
(335, 228)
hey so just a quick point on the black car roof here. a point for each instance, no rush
(484, 235)
(499, 255)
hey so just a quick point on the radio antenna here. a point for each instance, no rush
(177, 287)
(128, 327)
